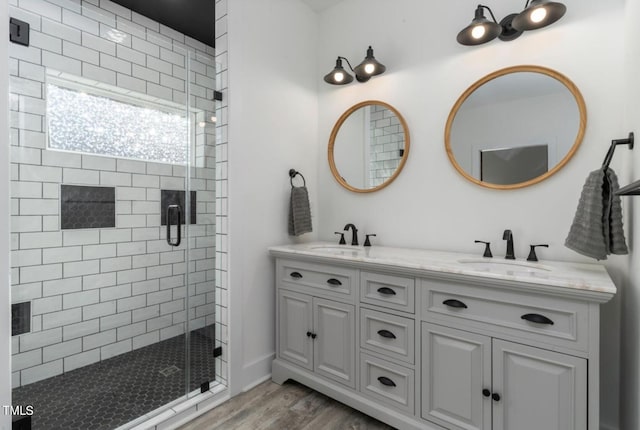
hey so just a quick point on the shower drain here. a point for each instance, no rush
(168, 371)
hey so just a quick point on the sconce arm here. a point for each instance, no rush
(481, 6)
(343, 58)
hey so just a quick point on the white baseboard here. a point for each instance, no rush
(257, 371)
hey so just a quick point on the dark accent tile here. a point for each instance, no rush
(113, 392)
(176, 197)
(87, 207)
(20, 318)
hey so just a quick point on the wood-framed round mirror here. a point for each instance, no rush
(515, 127)
(368, 146)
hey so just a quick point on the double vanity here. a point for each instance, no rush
(430, 340)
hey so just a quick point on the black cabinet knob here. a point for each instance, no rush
(486, 393)
(495, 397)
(313, 335)
(308, 334)
(296, 275)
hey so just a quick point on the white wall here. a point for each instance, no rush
(630, 342)
(5, 325)
(426, 72)
(273, 127)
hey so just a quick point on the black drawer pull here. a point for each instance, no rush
(455, 304)
(386, 381)
(537, 318)
(387, 334)
(486, 393)
(296, 275)
(386, 291)
(334, 281)
(308, 334)
(495, 397)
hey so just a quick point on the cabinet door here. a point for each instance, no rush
(334, 347)
(538, 389)
(456, 368)
(295, 320)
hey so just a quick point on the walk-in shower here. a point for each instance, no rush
(113, 204)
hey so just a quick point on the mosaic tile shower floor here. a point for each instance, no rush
(108, 394)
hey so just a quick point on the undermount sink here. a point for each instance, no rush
(505, 266)
(337, 249)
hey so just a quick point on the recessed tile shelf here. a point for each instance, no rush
(87, 207)
(176, 197)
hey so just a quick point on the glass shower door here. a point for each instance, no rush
(113, 215)
(202, 232)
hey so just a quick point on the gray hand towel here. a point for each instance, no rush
(299, 212)
(596, 230)
(616, 241)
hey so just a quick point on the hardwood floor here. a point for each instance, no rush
(283, 407)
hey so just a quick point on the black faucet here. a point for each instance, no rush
(354, 237)
(508, 236)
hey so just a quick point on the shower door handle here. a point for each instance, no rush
(170, 210)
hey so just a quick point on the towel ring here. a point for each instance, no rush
(293, 173)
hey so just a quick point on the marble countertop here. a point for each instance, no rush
(580, 276)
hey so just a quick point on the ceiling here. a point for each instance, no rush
(195, 18)
(320, 5)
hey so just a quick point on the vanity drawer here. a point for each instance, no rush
(387, 382)
(389, 291)
(313, 277)
(387, 334)
(556, 321)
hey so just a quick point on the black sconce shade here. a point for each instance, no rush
(481, 30)
(338, 76)
(538, 14)
(369, 67)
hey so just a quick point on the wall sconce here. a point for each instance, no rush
(536, 14)
(363, 71)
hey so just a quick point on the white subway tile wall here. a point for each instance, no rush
(103, 292)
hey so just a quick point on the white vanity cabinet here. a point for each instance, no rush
(499, 359)
(314, 332)
(318, 335)
(471, 381)
(420, 341)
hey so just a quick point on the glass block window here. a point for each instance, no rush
(96, 123)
